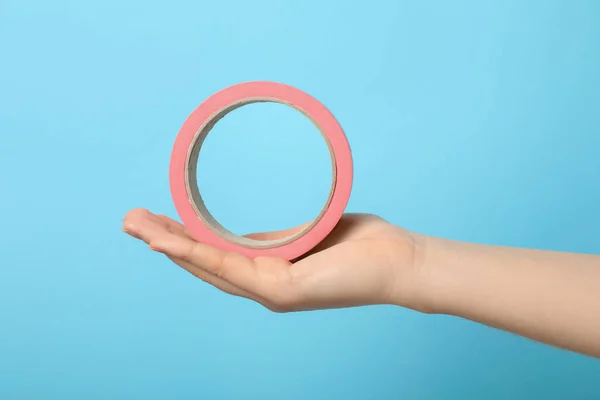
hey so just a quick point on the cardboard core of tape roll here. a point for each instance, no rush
(197, 202)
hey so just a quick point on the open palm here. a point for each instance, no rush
(365, 260)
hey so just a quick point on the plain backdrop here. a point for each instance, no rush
(472, 120)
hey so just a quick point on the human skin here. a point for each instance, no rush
(550, 297)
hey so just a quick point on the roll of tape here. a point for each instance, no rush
(184, 187)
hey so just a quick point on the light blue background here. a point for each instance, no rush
(473, 120)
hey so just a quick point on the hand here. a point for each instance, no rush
(364, 261)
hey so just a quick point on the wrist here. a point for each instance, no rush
(422, 283)
(406, 275)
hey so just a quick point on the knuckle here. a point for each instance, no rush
(221, 261)
(227, 262)
(191, 253)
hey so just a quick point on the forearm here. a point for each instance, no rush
(547, 296)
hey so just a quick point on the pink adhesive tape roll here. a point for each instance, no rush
(184, 158)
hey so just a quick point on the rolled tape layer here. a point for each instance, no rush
(184, 188)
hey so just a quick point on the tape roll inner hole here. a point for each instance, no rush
(197, 201)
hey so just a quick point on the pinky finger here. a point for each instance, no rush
(221, 284)
(211, 279)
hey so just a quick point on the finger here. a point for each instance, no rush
(151, 228)
(231, 267)
(145, 226)
(211, 279)
(345, 229)
(234, 268)
(208, 262)
(177, 227)
(223, 285)
(138, 224)
(173, 226)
